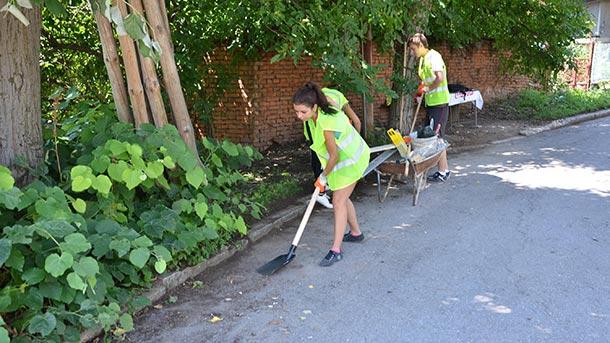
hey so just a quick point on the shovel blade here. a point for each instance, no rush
(275, 264)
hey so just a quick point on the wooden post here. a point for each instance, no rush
(132, 70)
(402, 122)
(170, 74)
(113, 67)
(368, 58)
(151, 82)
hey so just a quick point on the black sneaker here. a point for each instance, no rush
(439, 177)
(331, 258)
(348, 237)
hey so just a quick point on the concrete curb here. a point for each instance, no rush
(566, 122)
(167, 283)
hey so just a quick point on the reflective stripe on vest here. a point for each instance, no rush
(343, 145)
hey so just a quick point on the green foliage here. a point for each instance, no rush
(269, 192)
(564, 103)
(71, 52)
(537, 35)
(132, 204)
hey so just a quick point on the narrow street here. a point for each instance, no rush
(515, 247)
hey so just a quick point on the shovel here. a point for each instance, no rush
(282, 260)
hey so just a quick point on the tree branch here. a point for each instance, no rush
(54, 43)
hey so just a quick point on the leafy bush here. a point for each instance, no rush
(564, 103)
(74, 251)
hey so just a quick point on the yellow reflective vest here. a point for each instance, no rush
(353, 151)
(440, 94)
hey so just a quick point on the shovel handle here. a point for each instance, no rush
(415, 116)
(312, 203)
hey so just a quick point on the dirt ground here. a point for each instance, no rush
(496, 121)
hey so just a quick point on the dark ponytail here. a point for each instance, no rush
(310, 95)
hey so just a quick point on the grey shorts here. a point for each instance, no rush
(439, 113)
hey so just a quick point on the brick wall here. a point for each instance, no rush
(478, 67)
(256, 108)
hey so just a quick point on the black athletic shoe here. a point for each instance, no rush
(439, 177)
(348, 237)
(331, 258)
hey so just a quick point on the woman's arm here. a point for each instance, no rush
(352, 116)
(333, 151)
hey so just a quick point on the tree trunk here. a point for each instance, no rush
(170, 74)
(151, 82)
(113, 67)
(132, 69)
(20, 110)
(369, 119)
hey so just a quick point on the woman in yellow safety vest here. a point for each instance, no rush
(337, 100)
(433, 73)
(344, 156)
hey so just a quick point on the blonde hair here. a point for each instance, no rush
(418, 39)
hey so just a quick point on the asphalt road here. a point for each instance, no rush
(514, 248)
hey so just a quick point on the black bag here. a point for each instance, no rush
(458, 88)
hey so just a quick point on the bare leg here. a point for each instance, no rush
(340, 199)
(351, 219)
(442, 162)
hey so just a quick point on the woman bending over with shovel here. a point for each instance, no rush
(344, 156)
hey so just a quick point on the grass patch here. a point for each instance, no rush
(539, 105)
(267, 192)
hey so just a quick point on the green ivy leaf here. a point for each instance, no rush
(56, 8)
(80, 183)
(116, 170)
(16, 260)
(182, 205)
(142, 242)
(187, 161)
(162, 252)
(56, 228)
(154, 169)
(120, 246)
(133, 178)
(241, 226)
(6, 179)
(75, 243)
(4, 338)
(102, 184)
(208, 144)
(168, 162)
(160, 266)
(43, 324)
(76, 282)
(79, 205)
(10, 198)
(216, 160)
(115, 147)
(5, 250)
(209, 232)
(134, 150)
(72, 334)
(57, 265)
(100, 164)
(134, 25)
(86, 267)
(249, 151)
(33, 276)
(195, 177)
(126, 322)
(139, 257)
(84, 171)
(201, 208)
(230, 148)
